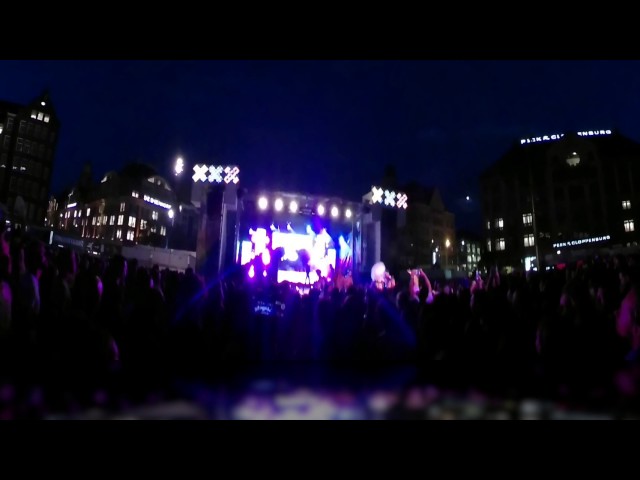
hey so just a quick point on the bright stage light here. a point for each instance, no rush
(293, 206)
(320, 210)
(263, 203)
(289, 227)
(334, 211)
(273, 227)
(266, 257)
(347, 213)
(278, 204)
(310, 230)
(252, 272)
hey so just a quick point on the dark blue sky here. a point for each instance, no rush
(323, 126)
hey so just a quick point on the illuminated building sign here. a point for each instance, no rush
(149, 199)
(582, 241)
(71, 205)
(216, 174)
(558, 136)
(388, 198)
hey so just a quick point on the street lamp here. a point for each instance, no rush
(171, 215)
(178, 167)
(447, 244)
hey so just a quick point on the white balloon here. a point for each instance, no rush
(377, 271)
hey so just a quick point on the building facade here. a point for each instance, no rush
(28, 138)
(554, 198)
(468, 252)
(128, 207)
(427, 234)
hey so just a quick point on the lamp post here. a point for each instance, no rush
(348, 213)
(447, 244)
(171, 215)
(178, 167)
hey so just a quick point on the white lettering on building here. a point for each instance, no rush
(558, 136)
(154, 201)
(581, 241)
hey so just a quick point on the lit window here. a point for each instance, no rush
(489, 245)
(500, 244)
(93, 220)
(529, 240)
(154, 215)
(143, 224)
(130, 235)
(122, 207)
(112, 220)
(88, 211)
(99, 221)
(75, 213)
(40, 116)
(120, 219)
(626, 204)
(132, 222)
(527, 219)
(628, 226)
(46, 118)
(34, 114)
(119, 234)
(499, 223)
(573, 159)
(134, 194)
(469, 258)
(163, 230)
(153, 229)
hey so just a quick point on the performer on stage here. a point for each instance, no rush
(305, 258)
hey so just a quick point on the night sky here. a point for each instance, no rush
(323, 126)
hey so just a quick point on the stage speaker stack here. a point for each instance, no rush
(215, 252)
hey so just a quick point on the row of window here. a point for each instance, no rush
(527, 218)
(628, 226)
(26, 165)
(529, 239)
(36, 149)
(43, 117)
(38, 131)
(154, 213)
(129, 235)
(470, 247)
(27, 188)
(32, 148)
(102, 220)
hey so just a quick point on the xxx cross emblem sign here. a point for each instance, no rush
(200, 173)
(216, 174)
(376, 195)
(231, 175)
(401, 200)
(390, 198)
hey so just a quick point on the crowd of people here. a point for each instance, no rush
(74, 316)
